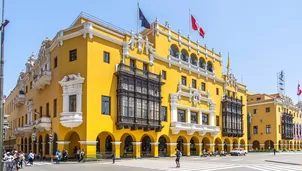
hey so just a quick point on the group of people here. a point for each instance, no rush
(18, 158)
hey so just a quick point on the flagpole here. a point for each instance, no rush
(137, 17)
(189, 21)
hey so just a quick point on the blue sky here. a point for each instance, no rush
(262, 37)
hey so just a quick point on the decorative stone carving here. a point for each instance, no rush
(72, 85)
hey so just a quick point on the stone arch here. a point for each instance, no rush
(202, 63)
(184, 55)
(256, 145)
(146, 145)
(162, 146)
(25, 142)
(206, 144)
(218, 146)
(46, 149)
(180, 143)
(268, 144)
(22, 145)
(127, 146)
(40, 146)
(29, 143)
(54, 143)
(227, 145)
(242, 144)
(104, 144)
(210, 67)
(74, 145)
(174, 51)
(235, 143)
(194, 142)
(193, 59)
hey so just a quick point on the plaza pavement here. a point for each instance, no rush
(251, 162)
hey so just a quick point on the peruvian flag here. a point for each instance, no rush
(299, 91)
(195, 26)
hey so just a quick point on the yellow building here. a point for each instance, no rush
(275, 122)
(100, 88)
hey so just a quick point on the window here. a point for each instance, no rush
(255, 130)
(258, 98)
(55, 62)
(55, 108)
(30, 85)
(183, 80)
(279, 109)
(181, 115)
(47, 109)
(132, 63)
(26, 89)
(217, 91)
(193, 83)
(194, 117)
(106, 57)
(164, 75)
(26, 120)
(279, 129)
(241, 98)
(254, 111)
(22, 123)
(267, 109)
(145, 67)
(163, 113)
(72, 55)
(72, 103)
(217, 120)
(268, 129)
(105, 105)
(41, 109)
(205, 119)
(203, 86)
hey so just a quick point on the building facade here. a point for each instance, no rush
(100, 88)
(274, 122)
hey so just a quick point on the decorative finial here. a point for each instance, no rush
(205, 45)
(46, 38)
(166, 23)
(197, 41)
(179, 32)
(156, 19)
(219, 53)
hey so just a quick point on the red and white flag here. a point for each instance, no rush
(195, 26)
(299, 91)
(37, 113)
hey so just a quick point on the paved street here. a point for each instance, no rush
(251, 162)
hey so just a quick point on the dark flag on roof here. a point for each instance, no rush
(145, 22)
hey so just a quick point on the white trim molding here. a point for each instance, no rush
(186, 143)
(154, 143)
(257, 104)
(63, 142)
(136, 143)
(72, 85)
(171, 144)
(88, 142)
(116, 142)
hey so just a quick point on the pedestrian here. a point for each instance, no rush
(178, 154)
(82, 155)
(41, 155)
(113, 157)
(274, 151)
(58, 155)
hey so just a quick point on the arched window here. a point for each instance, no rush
(174, 51)
(193, 60)
(202, 63)
(210, 67)
(184, 55)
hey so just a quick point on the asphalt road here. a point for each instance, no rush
(251, 162)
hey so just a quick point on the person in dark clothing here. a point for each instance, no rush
(274, 151)
(178, 154)
(113, 157)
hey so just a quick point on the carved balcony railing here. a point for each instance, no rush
(191, 128)
(43, 123)
(41, 80)
(19, 99)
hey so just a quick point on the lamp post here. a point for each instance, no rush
(3, 24)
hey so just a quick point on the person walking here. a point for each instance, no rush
(274, 151)
(113, 157)
(82, 155)
(178, 155)
(58, 154)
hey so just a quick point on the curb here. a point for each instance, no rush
(283, 162)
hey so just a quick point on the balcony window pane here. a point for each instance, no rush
(72, 103)
(181, 115)
(194, 117)
(205, 119)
